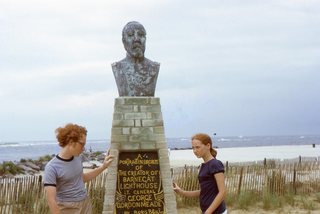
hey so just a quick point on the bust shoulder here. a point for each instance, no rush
(134, 77)
(120, 64)
(152, 64)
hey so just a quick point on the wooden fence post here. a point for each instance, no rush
(227, 167)
(240, 180)
(294, 180)
(300, 159)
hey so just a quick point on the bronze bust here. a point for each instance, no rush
(135, 75)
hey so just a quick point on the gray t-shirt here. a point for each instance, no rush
(66, 176)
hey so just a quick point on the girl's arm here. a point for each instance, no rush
(178, 190)
(221, 195)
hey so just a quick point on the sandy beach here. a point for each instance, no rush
(247, 154)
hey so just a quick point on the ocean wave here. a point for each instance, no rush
(5, 144)
(26, 143)
(33, 149)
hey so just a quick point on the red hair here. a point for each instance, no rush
(70, 133)
(205, 139)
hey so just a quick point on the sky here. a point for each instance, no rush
(234, 68)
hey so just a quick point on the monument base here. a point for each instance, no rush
(139, 180)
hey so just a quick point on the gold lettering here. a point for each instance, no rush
(138, 161)
(139, 198)
(143, 191)
(139, 181)
(122, 173)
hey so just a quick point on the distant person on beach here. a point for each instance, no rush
(211, 177)
(135, 75)
(64, 177)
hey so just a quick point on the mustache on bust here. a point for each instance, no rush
(137, 45)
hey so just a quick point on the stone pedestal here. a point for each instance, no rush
(139, 180)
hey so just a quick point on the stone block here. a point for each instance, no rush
(108, 208)
(148, 146)
(163, 153)
(136, 130)
(150, 108)
(136, 108)
(135, 116)
(154, 115)
(123, 123)
(119, 138)
(158, 137)
(152, 123)
(123, 108)
(158, 130)
(167, 185)
(116, 130)
(171, 208)
(112, 173)
(110, 189)
(107, 212)
(137, 100)
(126, 131)
(137, 123)
(118, 116)
(119, 101)
(165, 174)
(169, 198)
(130, 146)
(146, 131)
(109, 199)
(155, 101)
(135, 139)
(165, 164)
(141, 138)
(114, 145)
(161, 145)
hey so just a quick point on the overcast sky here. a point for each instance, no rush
(246, 67)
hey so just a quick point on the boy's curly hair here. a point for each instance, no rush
(70, 133)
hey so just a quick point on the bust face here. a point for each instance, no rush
(134, 39)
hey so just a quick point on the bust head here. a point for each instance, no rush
(134, 39)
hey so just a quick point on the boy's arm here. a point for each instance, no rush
(95, 172)
(51, 198)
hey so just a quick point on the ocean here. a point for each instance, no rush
(14, 151)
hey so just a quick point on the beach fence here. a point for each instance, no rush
(22, 195)
(266, 177)
(25, 195)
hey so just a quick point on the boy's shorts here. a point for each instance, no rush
(81, 207)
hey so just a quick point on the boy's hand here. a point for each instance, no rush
(108, 160)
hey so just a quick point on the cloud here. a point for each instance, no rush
(238, 68)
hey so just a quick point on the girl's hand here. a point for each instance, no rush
(176, 188)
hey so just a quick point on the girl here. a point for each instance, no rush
(211, 177)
